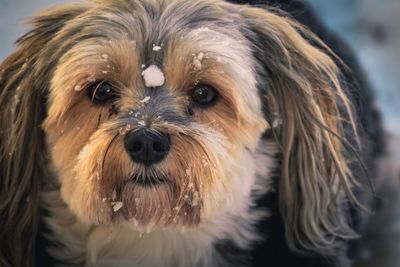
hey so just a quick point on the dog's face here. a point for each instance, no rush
(149, 111)
(153, 115)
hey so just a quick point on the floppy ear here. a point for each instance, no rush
(302, 92)
(24, 81)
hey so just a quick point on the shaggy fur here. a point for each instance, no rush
(272, 157)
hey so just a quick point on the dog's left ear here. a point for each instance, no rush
(24, 82)
(301, 90)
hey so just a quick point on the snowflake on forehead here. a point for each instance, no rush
(153, 76)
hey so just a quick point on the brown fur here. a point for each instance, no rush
(20, 185)
(306, 96)
(85, 142)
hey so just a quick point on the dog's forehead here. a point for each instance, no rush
(151, 25)
(188, 41)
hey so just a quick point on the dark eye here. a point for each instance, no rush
(204, 95)
(101, 92)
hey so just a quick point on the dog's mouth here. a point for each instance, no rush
(148, 181)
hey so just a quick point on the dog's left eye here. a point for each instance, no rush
(101, 92)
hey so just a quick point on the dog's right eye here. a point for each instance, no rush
(101, 92)
(204, 95)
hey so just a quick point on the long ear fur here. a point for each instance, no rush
(302, 91)
(24, 81)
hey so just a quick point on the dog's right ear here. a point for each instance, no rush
(24, 82)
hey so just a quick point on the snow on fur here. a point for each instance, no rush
(153, 76)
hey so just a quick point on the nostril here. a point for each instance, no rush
(159, 147)
(136, 147)
(146, 146)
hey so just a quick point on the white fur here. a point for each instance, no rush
(123, 245)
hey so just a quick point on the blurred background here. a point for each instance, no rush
(372, 29)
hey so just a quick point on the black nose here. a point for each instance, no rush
(146, 146)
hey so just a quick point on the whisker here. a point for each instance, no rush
(98, 121)
(97, 88)
(105, 154)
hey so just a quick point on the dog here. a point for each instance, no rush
(182, 133)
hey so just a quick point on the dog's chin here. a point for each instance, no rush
(157, 200)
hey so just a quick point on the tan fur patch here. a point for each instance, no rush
(75, 46)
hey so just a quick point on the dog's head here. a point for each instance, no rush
(147, 110)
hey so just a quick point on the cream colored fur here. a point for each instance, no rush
(126, 245)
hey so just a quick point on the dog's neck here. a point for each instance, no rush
(122, 245)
